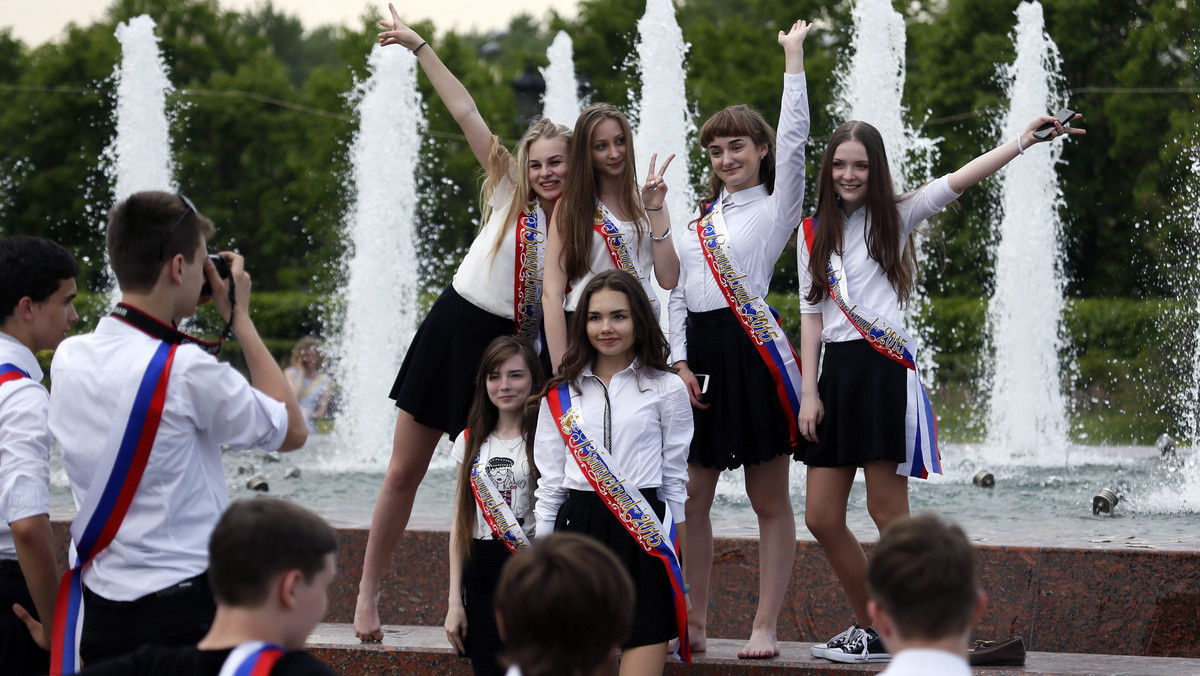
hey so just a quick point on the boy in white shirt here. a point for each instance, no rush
(37, 289)
(141, 411)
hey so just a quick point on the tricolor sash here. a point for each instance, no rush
(656, 537)
(623, 250)
(255, 658)
(123, 460)
(753, 314)
(496, 511)
(10, 372)
(527, 274)
(890, 340)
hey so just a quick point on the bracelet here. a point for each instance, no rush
(649, 209)
(664, 236)
(423, 43)
(1020, 150)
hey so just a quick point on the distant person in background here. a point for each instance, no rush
(925, 596)
(37, 290)
(312, 388)
(563, 608)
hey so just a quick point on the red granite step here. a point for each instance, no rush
(409, 650)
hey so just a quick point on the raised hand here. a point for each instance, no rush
(654, 193)
(794, 37)
(1029, 139)
(398, 33)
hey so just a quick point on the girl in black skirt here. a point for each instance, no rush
(631, 404)
(495, 456)
(868, 410)
(490, 296)
(741, 420)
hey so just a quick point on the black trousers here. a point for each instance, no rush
(179, 615)
(19, 655)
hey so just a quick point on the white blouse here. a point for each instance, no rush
(758, 224)
(599, 259)
(651, 432)
(24, 443)
(866, 284)
(510, 471)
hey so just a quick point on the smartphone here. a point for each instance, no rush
(223, 271)
(703, 378)
(1064, 116)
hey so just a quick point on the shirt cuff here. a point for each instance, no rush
(676, 511)
(27, 497)
(543, 528)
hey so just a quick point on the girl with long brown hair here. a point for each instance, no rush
(491, 295)
(869, 410)
(496, 470)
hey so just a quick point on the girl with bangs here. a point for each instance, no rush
(724, 336)
(495, 469)
(491, 295)
(857, 267)
(602, 222)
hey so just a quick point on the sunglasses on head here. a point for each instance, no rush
(189, 208)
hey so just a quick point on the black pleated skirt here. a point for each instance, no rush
(481, 577)
(865, 400)
(437, 379)
(654, 610)
(744, 424)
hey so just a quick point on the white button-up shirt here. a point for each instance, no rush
(164, 537)
(758, 224)
(600, 259)
(651, 432)
(926, 661)
(24, 443)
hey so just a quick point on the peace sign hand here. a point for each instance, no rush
(654, 193)
(398, 33)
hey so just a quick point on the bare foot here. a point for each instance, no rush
(366, 620)
(697, 640)
(762, 645)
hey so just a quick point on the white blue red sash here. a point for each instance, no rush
(527, 274)
(753, 313)
(890, 340)
(10, 372)
(123, 460)
(255, 658)
(622, 247)
(498, 514)
(626, 503)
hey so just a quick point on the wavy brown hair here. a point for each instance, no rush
(883, 230)
(650, 347)
(740, 120)
(576, 209)
(482, 420)
(501, 164)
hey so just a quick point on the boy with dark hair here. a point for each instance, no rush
(270, 563)
(925, 596)
(37, 290)
(141, 411)
(563, 607)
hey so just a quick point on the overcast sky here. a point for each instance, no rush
(35, 22)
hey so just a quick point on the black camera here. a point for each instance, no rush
(223, 270)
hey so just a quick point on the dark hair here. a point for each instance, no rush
(883, 231)
(649, 345)
(741, 120)
(258, 539)
(923, 574)
(145, 231)
(481, 421)
(33, 267)
(575, 214)
(564, 605)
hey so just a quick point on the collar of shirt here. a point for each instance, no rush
(734, 200)
(13, 351)
(587, 371)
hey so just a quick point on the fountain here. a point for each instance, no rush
(382, 288)
(561, 102)
(1026, 417)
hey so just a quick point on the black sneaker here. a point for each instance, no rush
(835, 642)
(864, 646)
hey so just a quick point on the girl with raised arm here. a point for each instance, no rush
(603, 223)
(722, 328)
(869, 409)
(490, 296)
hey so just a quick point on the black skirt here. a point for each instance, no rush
(865, 400)
(654, 609)
(744, 423)
(481, 576)
(437, 379)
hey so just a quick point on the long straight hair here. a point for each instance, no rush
(883, 219)
(500, 164)
(740, 120)
(576, 209)
(649, 345)
(482, 420)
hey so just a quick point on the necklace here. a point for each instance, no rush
(511, 444)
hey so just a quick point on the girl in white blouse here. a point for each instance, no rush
(626, 400)
(496, 469)
(491, 296)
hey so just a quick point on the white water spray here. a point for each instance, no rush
(382, 287)
(140, 154)
(1027, 413)
(871, 88)
(561, 102)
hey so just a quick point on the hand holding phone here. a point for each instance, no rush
(1064, 116)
